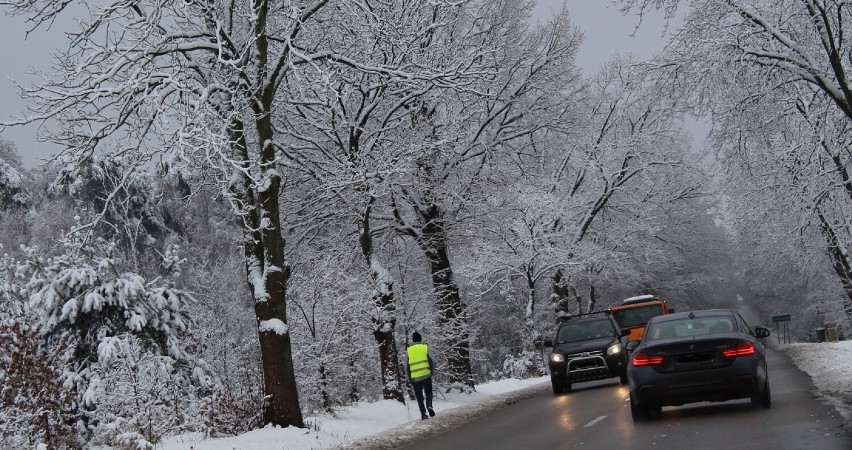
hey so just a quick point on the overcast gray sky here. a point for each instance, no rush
(606, 31)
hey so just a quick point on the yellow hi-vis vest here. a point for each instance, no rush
(418, 361)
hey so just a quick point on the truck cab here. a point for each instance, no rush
(634, 313)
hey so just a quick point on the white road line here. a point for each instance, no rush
(594, 421)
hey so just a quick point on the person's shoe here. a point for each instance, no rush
(431, 412)
(423, 416)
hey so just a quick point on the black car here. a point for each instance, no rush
(586, 349)
(696, 356)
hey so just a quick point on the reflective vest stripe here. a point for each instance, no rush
(418, 360)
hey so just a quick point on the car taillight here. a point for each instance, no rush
(742, 349)
(644, 359)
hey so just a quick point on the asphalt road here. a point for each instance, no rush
(596, 415)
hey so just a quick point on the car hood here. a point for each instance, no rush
(584, 346)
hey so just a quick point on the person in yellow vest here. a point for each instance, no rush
(420, 368)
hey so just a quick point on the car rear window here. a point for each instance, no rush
(686, 327)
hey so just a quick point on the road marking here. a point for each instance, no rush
(594, 421)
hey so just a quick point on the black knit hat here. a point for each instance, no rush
(416, 337)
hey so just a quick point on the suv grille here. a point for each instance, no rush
(587, 366)
(584, 354)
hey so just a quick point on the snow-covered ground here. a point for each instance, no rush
(389, 424)
(830, 366)
(370, 418)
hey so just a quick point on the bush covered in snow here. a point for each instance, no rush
(527, 364)
(126, 364)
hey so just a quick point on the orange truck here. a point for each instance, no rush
(635, 312)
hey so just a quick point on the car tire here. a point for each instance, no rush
(638, 411)
(762, 399)
(622, 377)
(568, 382)
(558, 384)
(655, 412)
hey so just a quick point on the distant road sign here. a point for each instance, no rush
(781, 318)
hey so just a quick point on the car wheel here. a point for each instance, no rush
(762, 399)
(638, 411)
(558, 384)
(622, 377)
(568, 383)
(655, 412)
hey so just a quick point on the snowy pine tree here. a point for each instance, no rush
(114, 323)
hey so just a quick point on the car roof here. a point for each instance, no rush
(584, 319)
(695, 313)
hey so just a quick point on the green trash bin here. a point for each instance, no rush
(831, 334)
(820, 334)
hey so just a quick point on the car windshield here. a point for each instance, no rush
(584, 331)
(633, 317)
(686, 327)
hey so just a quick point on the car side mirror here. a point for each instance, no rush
(761, 332)
(631, 345)
(548, 343)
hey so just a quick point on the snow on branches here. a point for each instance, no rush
(122, 331)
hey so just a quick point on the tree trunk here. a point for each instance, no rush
(267, 274)
(593, 300)
(354, 388)
(389, 360)
(282, 399)
(529, 314)
(451, 309)
(386, 321)
(564, 296)
(323, 381)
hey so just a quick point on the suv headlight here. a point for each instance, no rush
(613, 349)
(557, 358)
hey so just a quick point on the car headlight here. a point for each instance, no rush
(557, 358)
(613, 349)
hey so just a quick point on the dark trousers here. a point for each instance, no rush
(419, 387)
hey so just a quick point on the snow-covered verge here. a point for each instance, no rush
(389, 424)
(365, 422)
(829, 365)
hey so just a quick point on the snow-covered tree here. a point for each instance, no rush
(200, 82)
(83, 298)
(628, 164)
(12, 189)
(462, 136)
(122, 202)
(9, 153)
(35, 406)
(775, 77)
(356, 117)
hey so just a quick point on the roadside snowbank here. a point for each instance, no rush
(829, 365)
